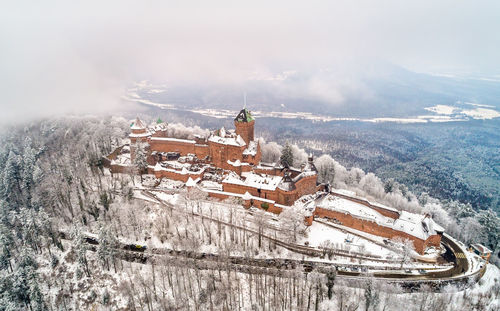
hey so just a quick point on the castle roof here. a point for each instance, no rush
(232, 141)
(258, 181)
(287, 183)
(244, 116)
(481, 248)
(413, 224)
(138, 125)
(251, 149)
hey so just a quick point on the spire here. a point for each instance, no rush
(244, 116)
(137, 125)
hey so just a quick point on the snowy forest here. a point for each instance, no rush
(66, 223)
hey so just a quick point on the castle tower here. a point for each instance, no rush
(244, 123)
(138, 127)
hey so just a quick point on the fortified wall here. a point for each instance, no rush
(232, 159)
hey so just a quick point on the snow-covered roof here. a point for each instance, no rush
(247, 196)
(309, 166)
(237, 163)
(345, 192)
(159, 126)
(208, 184)
(233, 178)
(481, 248)
(230, 141)
(122, 159)
(266, 166)
(376, 204)
(147, 134)
(287, 183)
(417, 225)
(187, 141)
(258, 181)
(183, 170)
(303, 174)
(137, 125)
(265, 182)
(353, 194)
(432, 225)
(251, 149)
(191, 183)
(357, 210)
(239, 195)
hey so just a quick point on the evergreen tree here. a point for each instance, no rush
(25, 288)
(372, 296)
(140, 159)
(106, 249)
(80, 248)
(330, 281)
(6, 241)
(10, 180)
(286, 158)
(27, 170)
(491, 223)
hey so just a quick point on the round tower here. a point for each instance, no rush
(138, 127)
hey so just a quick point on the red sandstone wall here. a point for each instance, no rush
(218, 196)
(222, 153)
(239, 189)
(258, 156)
(138, 131)
(373, 228)
(201, 151)
(172, 146)
(383, 211)
(309, 220)
(265, 194)
(286, 197)
(115, 153)
(121, 169)
(306, 185)
(433, 240)
(254, 160)
(273, 171)
(270, 195)
(246, 168)
(176, 176)
(160, 133)
(245, 130)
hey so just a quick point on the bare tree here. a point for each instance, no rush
(407, 249)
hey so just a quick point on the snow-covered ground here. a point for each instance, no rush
(443, 113)
(489, 283)
(318, 234)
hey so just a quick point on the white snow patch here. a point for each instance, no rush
(442, 109)
(481, 113)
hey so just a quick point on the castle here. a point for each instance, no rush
(227, 163)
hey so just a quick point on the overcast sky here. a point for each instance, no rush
(68, 57)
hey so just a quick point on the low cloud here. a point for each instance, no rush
(67, 57)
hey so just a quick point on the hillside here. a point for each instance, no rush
(78, 237)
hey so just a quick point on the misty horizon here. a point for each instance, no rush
(60, 58)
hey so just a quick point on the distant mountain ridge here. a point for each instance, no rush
(383, 91)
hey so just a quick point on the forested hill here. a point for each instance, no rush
(52, 181)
